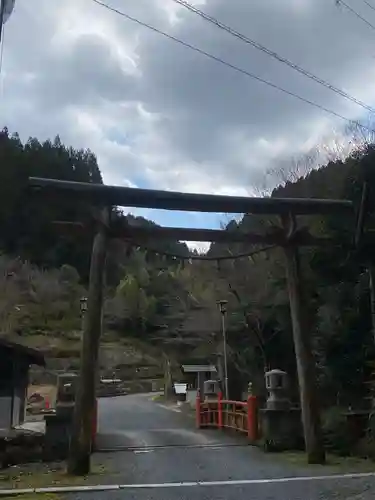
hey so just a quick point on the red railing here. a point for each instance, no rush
(239, 415)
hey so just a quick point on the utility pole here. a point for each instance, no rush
(304, 357)
(362, 244)
(168, 381)
(2, 12)
(371, 279)
(223, 310)
(6, 9)
(84, 411)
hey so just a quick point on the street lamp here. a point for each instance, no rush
(223, 310)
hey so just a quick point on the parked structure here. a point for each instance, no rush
(15, 360)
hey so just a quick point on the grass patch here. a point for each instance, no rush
(158, 397)
(45, 475)
(333, 462)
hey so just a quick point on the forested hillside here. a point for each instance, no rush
(169, 305)
(336, 282)
(44, 270)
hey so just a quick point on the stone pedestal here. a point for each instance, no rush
(58, 430)
(281, 429)
(280, 423)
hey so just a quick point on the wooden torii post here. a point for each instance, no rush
(290, 237)
(84, 410)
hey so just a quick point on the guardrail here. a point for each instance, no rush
(241, 416)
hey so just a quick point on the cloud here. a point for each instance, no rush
(160, 115)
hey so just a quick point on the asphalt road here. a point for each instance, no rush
(161, 456)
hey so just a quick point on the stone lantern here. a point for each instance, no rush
(277, 387)
(281, 424)
(211, 389)
(59, 425)
(66, 388)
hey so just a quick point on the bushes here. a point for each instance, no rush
(337, 437)
(366, 446)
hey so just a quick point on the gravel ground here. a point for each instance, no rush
(156, 453)
(159, 451)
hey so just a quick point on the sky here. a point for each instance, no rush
(158, 115)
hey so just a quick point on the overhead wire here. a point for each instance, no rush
(233, 66)
(369, 4)
(357, 14)
(271, 53)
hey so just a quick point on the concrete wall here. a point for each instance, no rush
(10, 411)
(6, 393)
(13, 386)
(5, 412)
(17, 418)
(20, 391)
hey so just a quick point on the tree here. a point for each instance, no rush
(27, 227)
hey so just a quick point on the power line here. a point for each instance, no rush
(2, 17)
(234, 67)
(271, 53)
(354, 12)
(368, 4)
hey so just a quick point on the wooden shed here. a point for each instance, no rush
(15, 361)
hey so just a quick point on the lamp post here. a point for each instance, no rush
(223, 310)
(2, 17)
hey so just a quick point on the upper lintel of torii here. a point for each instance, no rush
(107, 196)
(100, 194)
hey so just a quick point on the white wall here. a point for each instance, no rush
(191, 396)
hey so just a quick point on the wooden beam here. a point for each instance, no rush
(215, 235)
(100, 194)
(371, 278)
(303, 351)
(362, 215)
(81, 438)
(149, 234)
(144, 235)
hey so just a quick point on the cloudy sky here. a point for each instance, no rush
(158, 115)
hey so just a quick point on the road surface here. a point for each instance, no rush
(161, 456)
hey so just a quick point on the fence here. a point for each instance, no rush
(241, 416)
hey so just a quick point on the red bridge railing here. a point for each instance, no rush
(241, 416)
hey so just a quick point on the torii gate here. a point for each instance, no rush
(289, 237)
